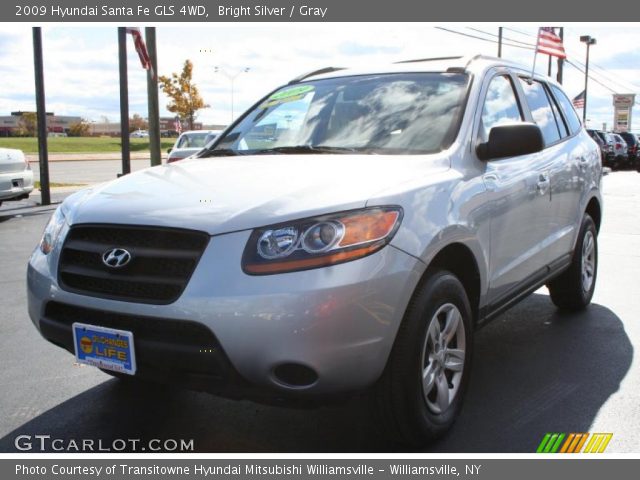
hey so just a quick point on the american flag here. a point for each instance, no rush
(178, 125)
(578, 102)
(549, 43)
(141, 48)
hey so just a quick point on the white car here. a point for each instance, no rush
(191, 142)
(139, 134)
(16, 177)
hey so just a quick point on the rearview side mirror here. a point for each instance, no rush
(511, 140)
(169, 150)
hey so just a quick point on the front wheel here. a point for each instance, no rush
(574, 288)
(420, 393)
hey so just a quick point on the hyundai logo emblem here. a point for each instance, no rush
(116, 258)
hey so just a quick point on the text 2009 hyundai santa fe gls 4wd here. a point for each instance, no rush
(346, 234)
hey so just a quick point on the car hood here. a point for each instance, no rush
(225, 194)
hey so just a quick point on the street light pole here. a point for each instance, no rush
(588, 40)
(232, 79)
(43, 152)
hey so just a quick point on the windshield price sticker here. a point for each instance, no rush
(288, 95)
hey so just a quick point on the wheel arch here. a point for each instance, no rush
(459, 259)
(594, 209)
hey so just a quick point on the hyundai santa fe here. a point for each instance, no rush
(346, 235)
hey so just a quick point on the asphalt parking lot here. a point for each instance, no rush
(535, 371)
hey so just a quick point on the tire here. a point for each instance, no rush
(570, 291)
(404, 411)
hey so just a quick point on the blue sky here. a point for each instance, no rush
(82, 67)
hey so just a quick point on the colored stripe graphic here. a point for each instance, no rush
(574, 442)
(581, 443)
(543, 443)
(565, 447)
(598, 442)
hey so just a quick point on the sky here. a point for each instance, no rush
(81, 62)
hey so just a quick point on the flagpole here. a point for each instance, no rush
(535, 55)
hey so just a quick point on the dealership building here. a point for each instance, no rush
(9, 124)
(60, 124)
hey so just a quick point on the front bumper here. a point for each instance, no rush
(339, 321)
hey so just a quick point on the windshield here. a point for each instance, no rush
(407, 113)
(193, 140)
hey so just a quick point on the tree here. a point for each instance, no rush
(184, 95)
(79, 129)
(137, 123)
(27, 125)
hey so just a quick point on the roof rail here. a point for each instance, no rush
(475, 57)
(315, 72)
(434, 59)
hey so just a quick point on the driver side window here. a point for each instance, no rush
(500, 106)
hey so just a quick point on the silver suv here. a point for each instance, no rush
(347, 234)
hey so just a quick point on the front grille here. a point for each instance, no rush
(162, 261)
(167, 330)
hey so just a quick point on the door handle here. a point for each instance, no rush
(543, 183)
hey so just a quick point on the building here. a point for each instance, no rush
(168, 124)
(59, 124)
(214, 127)
(9, 124)
(105, 129)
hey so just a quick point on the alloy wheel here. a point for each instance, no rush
(443, 358)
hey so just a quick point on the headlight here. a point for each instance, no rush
(321, 241)
(52, 231)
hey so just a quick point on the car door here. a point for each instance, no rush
(563, 157)
(519, 196)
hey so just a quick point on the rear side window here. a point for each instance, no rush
(629, 138)
(500, 106)
(566, 107)
(562, 124)
(542, 111)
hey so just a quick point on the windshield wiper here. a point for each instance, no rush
(221, 152)
(319, 149)
(308, 149)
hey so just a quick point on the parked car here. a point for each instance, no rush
(169, 134)
(620, 152)
(190, 142)
(602, 144)
(16, 177)
(632, 148)
(139, 134)
(638, 160)
(611, 154)
(347, 234)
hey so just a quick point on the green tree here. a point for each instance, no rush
(27, 125)
(185, 97)
(79, 129)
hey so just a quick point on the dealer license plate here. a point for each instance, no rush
(104, 348)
